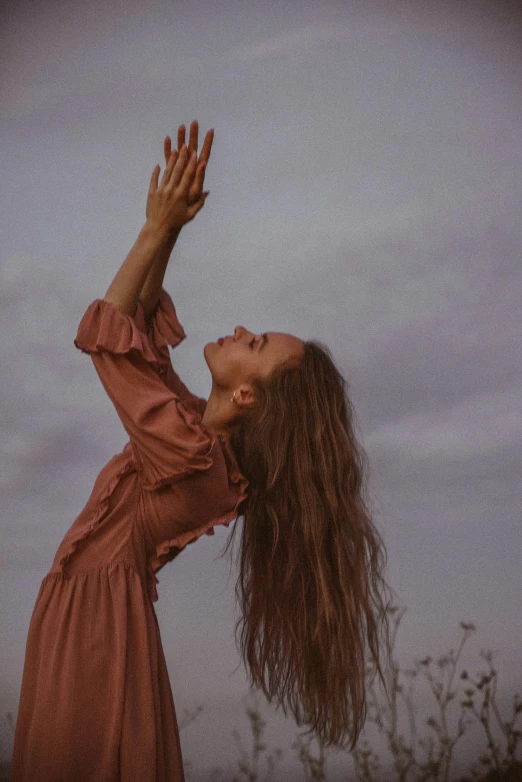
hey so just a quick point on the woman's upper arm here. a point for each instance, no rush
(168, 438)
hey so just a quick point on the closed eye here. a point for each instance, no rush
(263, 343)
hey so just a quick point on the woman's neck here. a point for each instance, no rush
(216, 416)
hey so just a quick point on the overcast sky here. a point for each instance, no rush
(365, 191)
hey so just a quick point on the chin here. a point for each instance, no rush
(208, 347)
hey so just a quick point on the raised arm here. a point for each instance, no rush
(168, 210)
(126, 286)
(151, 290)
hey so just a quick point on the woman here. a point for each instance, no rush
(274, 443)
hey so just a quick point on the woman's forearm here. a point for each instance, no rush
(126, 287)
(151, 290)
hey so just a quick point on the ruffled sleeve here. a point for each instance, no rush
(167, 435)
(164, 329)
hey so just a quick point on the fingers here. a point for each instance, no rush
(193, 141)
(207, 146)
(167, 149)
(153, 186)
(181, 137)
(193, 138)
(196, 187)
(188, 173)
(167, 174)
(182, 166)
(194, 209)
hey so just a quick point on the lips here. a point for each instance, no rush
(220, 341)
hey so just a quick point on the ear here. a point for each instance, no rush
(245, 396)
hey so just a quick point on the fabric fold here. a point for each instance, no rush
(168, 437)
(105, 327)
(168, 549)
(165, 327)
(119, 333)
(89, 525)
(156, 474)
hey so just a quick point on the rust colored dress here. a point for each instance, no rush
(96, 703)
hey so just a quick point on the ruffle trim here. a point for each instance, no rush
(105, 327)
(165, 326)
(199, 459)
(90, 525)
(164, 330)
(164, 552)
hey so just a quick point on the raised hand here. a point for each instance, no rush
(168, 208)
(196, 187)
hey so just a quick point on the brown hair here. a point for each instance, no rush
(310, 559)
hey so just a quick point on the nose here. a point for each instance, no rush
(238, 332)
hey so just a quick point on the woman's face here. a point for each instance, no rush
(246, 355)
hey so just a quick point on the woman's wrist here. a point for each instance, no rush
(161, 231)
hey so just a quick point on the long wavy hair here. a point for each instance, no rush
(310, 585)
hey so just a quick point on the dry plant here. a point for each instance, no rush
(416, 758)
(429, 757)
